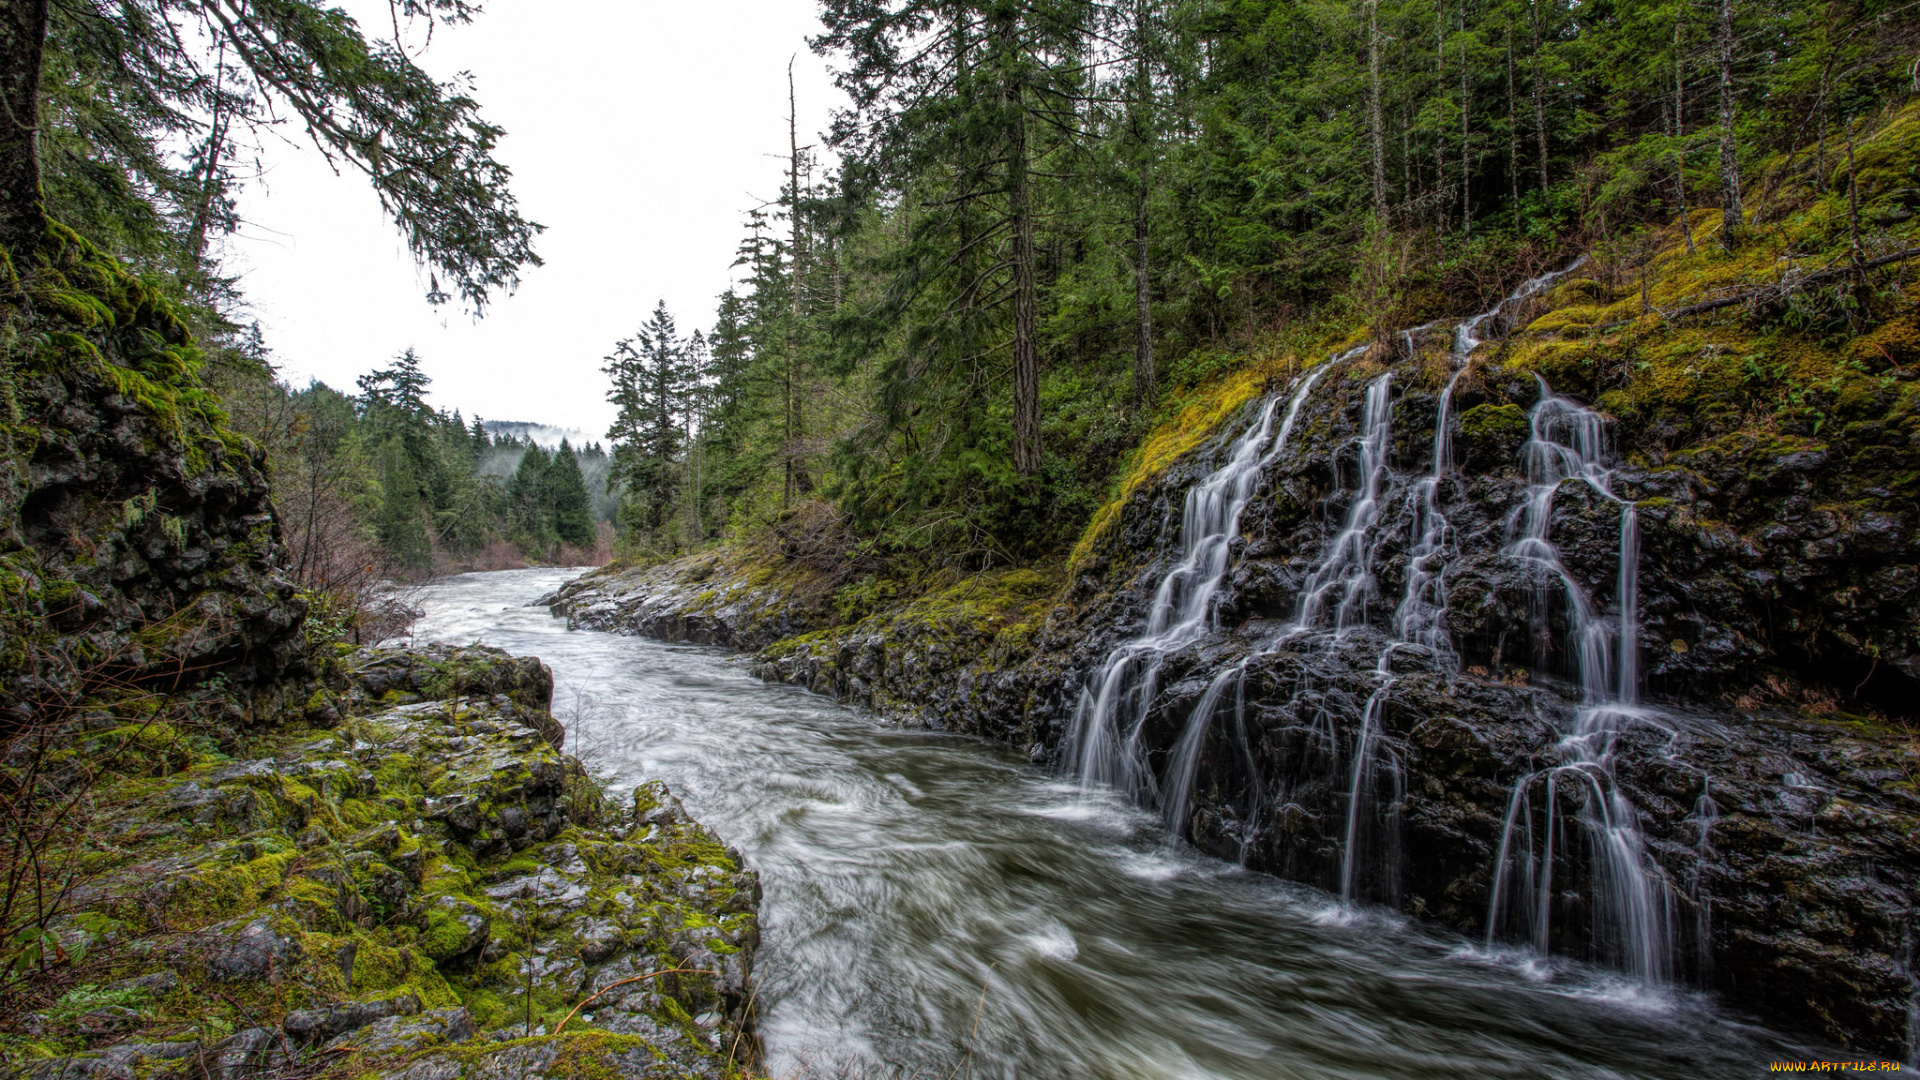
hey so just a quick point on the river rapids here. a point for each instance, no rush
(936, 906)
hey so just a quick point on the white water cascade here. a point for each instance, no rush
(1632, 904)
(1420, 617)
(1346, 564)
(1104, 741)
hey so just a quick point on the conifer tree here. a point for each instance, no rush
(572, 508)
(365, 104)
(528, 498)
(651, 381)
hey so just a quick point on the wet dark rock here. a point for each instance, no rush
(1778, 594)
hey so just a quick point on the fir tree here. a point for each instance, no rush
(572, 507)
(651, 384)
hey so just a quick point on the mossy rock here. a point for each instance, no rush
(1493, 434)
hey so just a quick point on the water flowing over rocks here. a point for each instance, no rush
(1461, 644)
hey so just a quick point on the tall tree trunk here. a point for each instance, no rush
(1853, 202)
(1406, 154)
(1680, 133)
(1026, 345)
(1440, 90)
(1144, 131)
(208, 181)
(794, 480)
(1730, 215)
(1143, 376)
(1375, 124)
(1540, 108)
(1466, 158)
(1513, 134)
(23, 35)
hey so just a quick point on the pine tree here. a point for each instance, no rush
(572, 508)
(419, 142)
(401, 522)
(651, 383)
(528, 499)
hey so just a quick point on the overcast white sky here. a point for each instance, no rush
(639, 134)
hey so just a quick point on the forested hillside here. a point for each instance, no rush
(1041, 227)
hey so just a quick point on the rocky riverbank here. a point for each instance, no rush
(1633, 684)
(235, 846)
(404, 879)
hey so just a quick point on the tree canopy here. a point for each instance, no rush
(95, 92)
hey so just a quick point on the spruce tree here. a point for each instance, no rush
(651, 385)
(420, 143)
(572, 507)
(528, 500)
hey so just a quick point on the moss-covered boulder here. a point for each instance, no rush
(424, 887)
(137, 536)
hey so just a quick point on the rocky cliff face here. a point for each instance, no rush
(235, 848)
(1765, 806)
(1599, 637)
(138, 546)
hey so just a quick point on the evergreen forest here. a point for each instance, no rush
(1294, 537)
(1041, 229)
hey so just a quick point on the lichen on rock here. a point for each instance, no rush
(426, 887)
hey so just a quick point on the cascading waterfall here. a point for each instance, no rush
(1420, 617)
(1105, 743)
(1346, 564)
(1632, 902)
(1185, 761)
(1104, 739)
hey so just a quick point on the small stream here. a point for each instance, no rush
(936, 905)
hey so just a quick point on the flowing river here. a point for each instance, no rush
(935, 906)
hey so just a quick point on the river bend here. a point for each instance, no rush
(937, 906)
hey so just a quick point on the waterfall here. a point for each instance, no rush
(1106, 741)
(1465, 336)
(1419, 618)
(1346, 564)
(1185, 761)
(1104, 738)
(1632, 902)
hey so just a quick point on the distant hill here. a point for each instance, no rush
(545, 434)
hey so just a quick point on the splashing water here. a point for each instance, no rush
(1104, 741)
(935, 906)
(1346, 564)
(1632, 901)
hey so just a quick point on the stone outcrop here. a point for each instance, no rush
(137, 538)
(416, 885)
